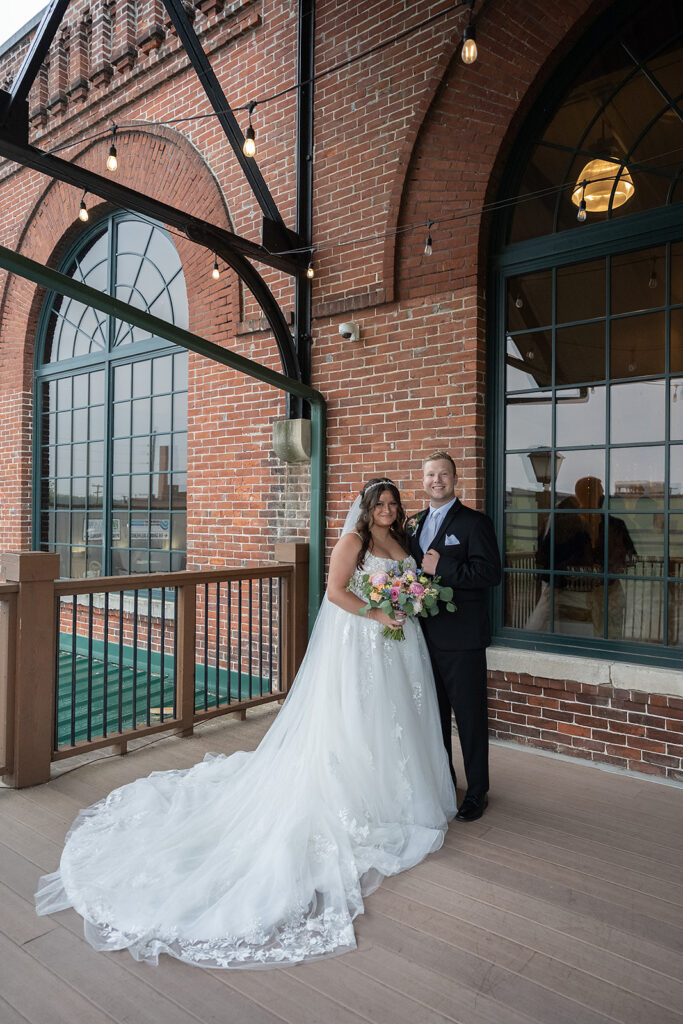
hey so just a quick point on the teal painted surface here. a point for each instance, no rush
(160, 696)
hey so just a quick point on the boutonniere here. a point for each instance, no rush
(413, 524)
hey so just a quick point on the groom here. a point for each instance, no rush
(459, 545)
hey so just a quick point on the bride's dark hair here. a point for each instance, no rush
(370, 495)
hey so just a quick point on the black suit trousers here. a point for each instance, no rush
(461, 686)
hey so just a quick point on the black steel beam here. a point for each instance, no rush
(128, 199)
(304, 186)
(226, 118)
(36, 54)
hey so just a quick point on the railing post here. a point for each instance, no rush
(34, 664)
(187, 626)
(296, 611)
(8, 640)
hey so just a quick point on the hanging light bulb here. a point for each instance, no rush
(653, 282)
(112, 162)
(310, 272)
(215, 273)
(249, 147)
(581, 215)
(519, 302)
(469, 50)
(83, 210)
(428, 243)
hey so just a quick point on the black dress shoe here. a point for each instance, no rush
(472, 808)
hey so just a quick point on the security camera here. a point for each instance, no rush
(350, 331)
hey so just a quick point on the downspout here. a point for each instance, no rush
(20, 265)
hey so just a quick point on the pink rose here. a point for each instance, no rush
(379, 579)
(417, 589)
(394, 593)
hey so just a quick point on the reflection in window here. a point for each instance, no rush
(620, 110)
(116, 504)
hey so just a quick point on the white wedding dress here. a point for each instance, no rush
(263, 859)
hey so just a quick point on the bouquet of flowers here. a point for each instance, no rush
(403, 590)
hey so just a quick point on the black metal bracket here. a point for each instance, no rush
(12, 102)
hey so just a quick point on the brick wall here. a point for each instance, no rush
(629, 729)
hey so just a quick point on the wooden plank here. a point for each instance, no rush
(100, 979)
(573, 924)
(442, 994)
(545, 938)
(39, 995)
(18, 920)
(527, 850)
(282, 992)
(8, 1015)
(422, 938)
(578, 881)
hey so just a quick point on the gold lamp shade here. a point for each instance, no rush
(595, 184)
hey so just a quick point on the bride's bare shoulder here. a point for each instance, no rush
(349, 544)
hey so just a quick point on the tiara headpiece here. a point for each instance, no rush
(378, 483)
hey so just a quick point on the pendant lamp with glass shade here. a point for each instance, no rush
(596, 182)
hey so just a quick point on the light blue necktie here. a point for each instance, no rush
(431, 528)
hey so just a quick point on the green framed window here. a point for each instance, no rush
(111, 411)
(586, 368)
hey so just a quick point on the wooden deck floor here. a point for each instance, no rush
(563, 905)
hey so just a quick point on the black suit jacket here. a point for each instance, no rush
(470, 567)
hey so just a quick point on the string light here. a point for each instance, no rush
(428, 243)
(215, 273)
(112, 162)
(83, 210)
(581, 215)
(653, 282)
(310, 272)
(249, 147)
(469, 50)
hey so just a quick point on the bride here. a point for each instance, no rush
(263, 858)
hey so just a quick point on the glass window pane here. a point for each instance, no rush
(638, 280)
(676, 614)
(63, 460)
(528, 421)
(180, 362)
(529, 360)
(676, 476)
(580, 354)
(80, 424)
(526, 601)
(80, 389)
(141, 410)
(522, 532)
(577, 539)
(161, 413)
(636, 610)
(179, 452)
(522, 488)
(637, 411)
(578, 607)
(139, 491)
(581, 292)
(79, 453)
(676, 273)
(121, 491)
(162, 374)
(621, 549)
(530, 301)
(676, 344)
(96, 424)
(140, 460)
(636, 473)
(179, 531)
(122, 419)
(180, 411)
(676, 545)
(122, 382)
(121, 451)
(160, 531)
(179, 490)
(638, 345)
(676, 409)
(142, 378)
(582, 470)
(580, 416)
(64, 426)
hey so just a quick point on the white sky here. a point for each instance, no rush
(15, 13)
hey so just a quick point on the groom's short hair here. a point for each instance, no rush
(440, 457)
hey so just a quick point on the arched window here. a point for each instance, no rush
(111, 411)
(587, 350)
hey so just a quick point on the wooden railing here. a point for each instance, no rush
(97, 662)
